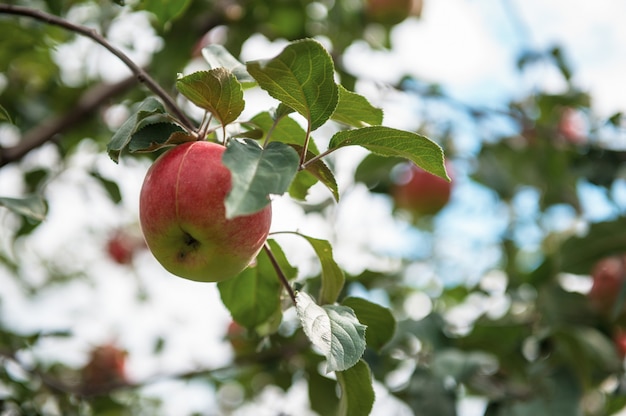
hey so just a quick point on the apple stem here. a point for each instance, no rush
(279, 272)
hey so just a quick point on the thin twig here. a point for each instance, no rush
(142, 76)
(279, 272)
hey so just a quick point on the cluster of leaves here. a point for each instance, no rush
(273, 154)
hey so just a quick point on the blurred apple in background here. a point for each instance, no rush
(183, 216)
(391, 12)
(419, 192)
(105, 369)
(609, 275)
(122, 245)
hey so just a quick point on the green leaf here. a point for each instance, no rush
(32, 207)
(283, 129)
(253, 296)
(302, 78)
(332, 276)
(355, 110)
(386, 141)
(122, 137)
(111, 187)
(157, 135)
(299, 188)
(322, 389)
(462, 365)
(217, 56)
(380, 322)
(357, 390)
(334, 330)
(256, 173)
(216, 91)
(165, 11)
(4, 115)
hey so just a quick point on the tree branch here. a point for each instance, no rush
(91, 100)
(140, 74)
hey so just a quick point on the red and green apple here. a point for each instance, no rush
(183, 216)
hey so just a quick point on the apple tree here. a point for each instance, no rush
(532, 324)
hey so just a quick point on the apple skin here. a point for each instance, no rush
(421, 193)
(183, 217)
(608, 274)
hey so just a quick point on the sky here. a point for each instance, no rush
(467, 46)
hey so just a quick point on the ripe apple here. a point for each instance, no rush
(608, 274)
(183, 217)
(419, 192)
(106, 369)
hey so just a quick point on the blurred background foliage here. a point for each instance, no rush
(539, 332)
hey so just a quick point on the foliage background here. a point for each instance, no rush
(489, 294)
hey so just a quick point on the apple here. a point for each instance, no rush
(105, 369)
(608, 274)
(122, 246)
(183, 217)
(419, 192)
(388, 12)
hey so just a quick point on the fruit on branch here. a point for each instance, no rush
(122, 246)
(391, 12)
(183, 217)
(609, 275)
(419, 192)
(105, 370)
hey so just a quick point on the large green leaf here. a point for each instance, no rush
(381, 325)
(301, 77)
(253, 296)
(149, 107)
(32, 207)
(334, 330)
(387, 141)
(357, 390)
(217, 56)
(256, 173)
(355, 110)
(217, 91)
